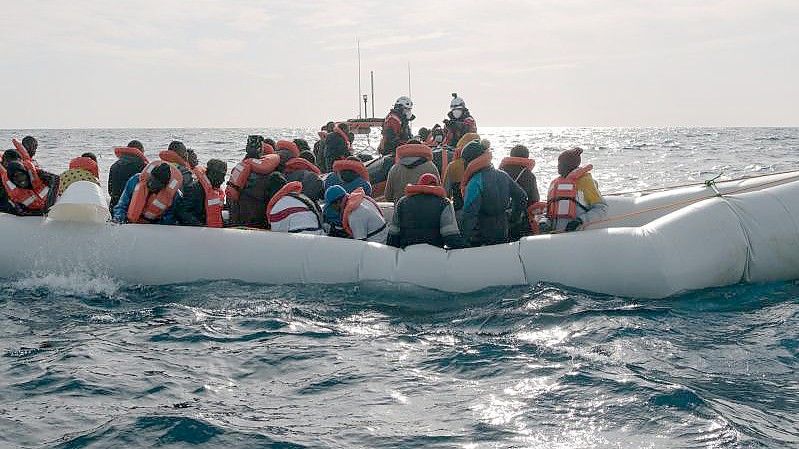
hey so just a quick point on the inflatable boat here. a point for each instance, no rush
(650, 246)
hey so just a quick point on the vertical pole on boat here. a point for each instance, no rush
(372, 74)
(358, 44)
(409, 80)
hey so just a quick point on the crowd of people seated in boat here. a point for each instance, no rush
(442, 183)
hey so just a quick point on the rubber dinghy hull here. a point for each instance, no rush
(750, 237)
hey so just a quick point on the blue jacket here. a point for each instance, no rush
(121, 208)
(489, 195)
(333, 179)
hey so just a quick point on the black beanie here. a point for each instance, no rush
(472, 151)
(520, 151)
(275, 182)
(162, 173)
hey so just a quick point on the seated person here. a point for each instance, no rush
(573, 199)
(212, 197)
(21, 190)
(412, 161)
(83, 168)
(359, 215)
(246, 188)
(155, 198)
(131, 160)
(424, 215)
(350, 174)
(289, 210)
(519, 166)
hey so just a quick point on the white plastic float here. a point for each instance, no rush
(653, 246)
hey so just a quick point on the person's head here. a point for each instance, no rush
(345, 128)
(18, 175)
(216, 169)
(472, 151)
(308, 156)
(285, 155)
(136, 144)
(179, 148)
(90, 155)
(457, 106)
(429, 179)
(468, 137)
(334, 195)
(192, 158)
(253, 147)
(438, 134)
(520, 151)
(10, 155)
(31, 144)
(348, 175)
(424, 133)
(414, 142)
(270, 142)
(302, 144)
(569, 160)
(404, 105)
(329, 127)
(159, 178)
(275, 182)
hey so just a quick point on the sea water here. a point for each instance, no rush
(93, 362)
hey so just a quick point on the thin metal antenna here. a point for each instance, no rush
(358, 43)
(409, 80)
(372, 73)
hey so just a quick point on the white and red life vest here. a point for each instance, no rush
(34, 198)
(214, 200)
(238, 176)
(149, 208)
(562, 198)
(311, 220)
(353, 201)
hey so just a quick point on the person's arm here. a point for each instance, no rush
(597, 207)
(388, 193)
(472, 203)
(393, 238)
(518, 199)
(390, 140)
(366, 187)
(183, 207)
(449, 228)
(534, 195)
(121, 209)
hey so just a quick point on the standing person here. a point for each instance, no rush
(337, 144)
(246, 189)
(459, 120)
(131, 160)
(574, 198)
(424, 215)
(289, 210)
(519, 167)
(83, 168)
(396, 126)
(488, 193)
(361, 217)
(412, 161)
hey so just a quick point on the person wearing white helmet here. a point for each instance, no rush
(459, 121)
(396, 126)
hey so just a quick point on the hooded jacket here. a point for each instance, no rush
(406, 172)
(119, 174)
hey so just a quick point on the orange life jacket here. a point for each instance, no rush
(416, 189)
(34, 198)
(214, 200)
(517, 161)
(23, 152)
(120, 151)
(238, 176)
(562, 197)
(413, 150)
(356, 166)
(298, 163)
(481, 162)
(267, 149)
(354, 201)
(85, 163)
(534, 212)
(290, 146)
(146, 207)
(171, 156)
(290, 189)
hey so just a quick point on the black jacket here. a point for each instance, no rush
(190, 209)
(422, 219)
(489, 196)
(335, 149)
(119, 174)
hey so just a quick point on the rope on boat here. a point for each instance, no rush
(691, 184)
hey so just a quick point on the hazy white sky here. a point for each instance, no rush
(253, 63)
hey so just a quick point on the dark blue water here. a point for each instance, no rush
(91, 363)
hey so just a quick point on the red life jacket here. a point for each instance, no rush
(481, 162)
(343, 135)
(171, 156)
(449, 139)
(214, 200)
(356, 166)
(298, 163)
(149, 208)
(413, 150)
(34, 198)
(23, 152)
(238, 176)
(354, 201)
(512, 161)
(120, 151)
(290, 146)
(291, 188)
(85, 163)
(267, 149)
(534, 212)
(416, 189)
(562, 197)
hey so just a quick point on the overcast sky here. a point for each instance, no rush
(516, 63)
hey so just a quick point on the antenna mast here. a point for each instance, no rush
(358, 44)
(373, 92)
(409, 79)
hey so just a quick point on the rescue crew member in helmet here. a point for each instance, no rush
(424, 215)
(573, 199)
(459, 120)
(131, 160)
(488, 193)
(361, 217)
(396, 126)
